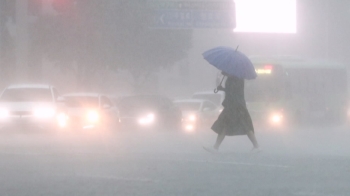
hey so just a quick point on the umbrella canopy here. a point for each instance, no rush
(231, 62)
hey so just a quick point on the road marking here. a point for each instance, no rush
(105, 177)
(53, 153)
(311, 194)
(178, 160)
(305, 194)
(229, 163)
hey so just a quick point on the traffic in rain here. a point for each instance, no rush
(174, 97)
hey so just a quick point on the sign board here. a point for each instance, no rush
(191, 5)
(187, 14)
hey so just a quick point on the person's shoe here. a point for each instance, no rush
(211, 149)
(256, 150)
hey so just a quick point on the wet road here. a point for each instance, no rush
(295, 162)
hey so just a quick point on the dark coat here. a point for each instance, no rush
(235, 118)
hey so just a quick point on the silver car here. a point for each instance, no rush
(90, 111)
(197, 113)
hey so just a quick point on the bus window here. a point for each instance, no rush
(267, 87)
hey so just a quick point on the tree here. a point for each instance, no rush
(139, 48)
(113, 35)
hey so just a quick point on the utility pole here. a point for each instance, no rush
(2, 30)
(7, 53)
(2, 37)
(22, 42)
(327, 29)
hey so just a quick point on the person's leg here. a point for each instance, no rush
(219, 139)
(252, 138)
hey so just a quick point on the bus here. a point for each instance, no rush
(292, 90)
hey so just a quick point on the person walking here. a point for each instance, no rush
(235, 118)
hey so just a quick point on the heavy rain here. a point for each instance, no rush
(174, 97)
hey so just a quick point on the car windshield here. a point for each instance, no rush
(26, 95)
(215, 98)
(138, 103)
(81, 101)
(188, 106)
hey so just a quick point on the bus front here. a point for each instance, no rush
(266, 96)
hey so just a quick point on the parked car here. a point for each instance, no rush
(149, 111)
(197, 113)
(216, 98)
(29, 106)
(90, 110)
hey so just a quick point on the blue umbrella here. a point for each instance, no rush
(231, 61)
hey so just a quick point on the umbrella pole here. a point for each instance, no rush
(216, 90)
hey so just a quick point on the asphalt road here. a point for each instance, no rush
(305, 162)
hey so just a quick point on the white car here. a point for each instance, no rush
(29, 105)
(216, 98)
(197, 113)
(90, 110)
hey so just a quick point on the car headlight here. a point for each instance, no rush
(93, 116)
(189, 127)
(276, 118)
(44, 112)
(192, 118)
(4, 113)
(62, 119)
(148, 119)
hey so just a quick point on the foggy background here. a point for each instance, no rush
(108, 45)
